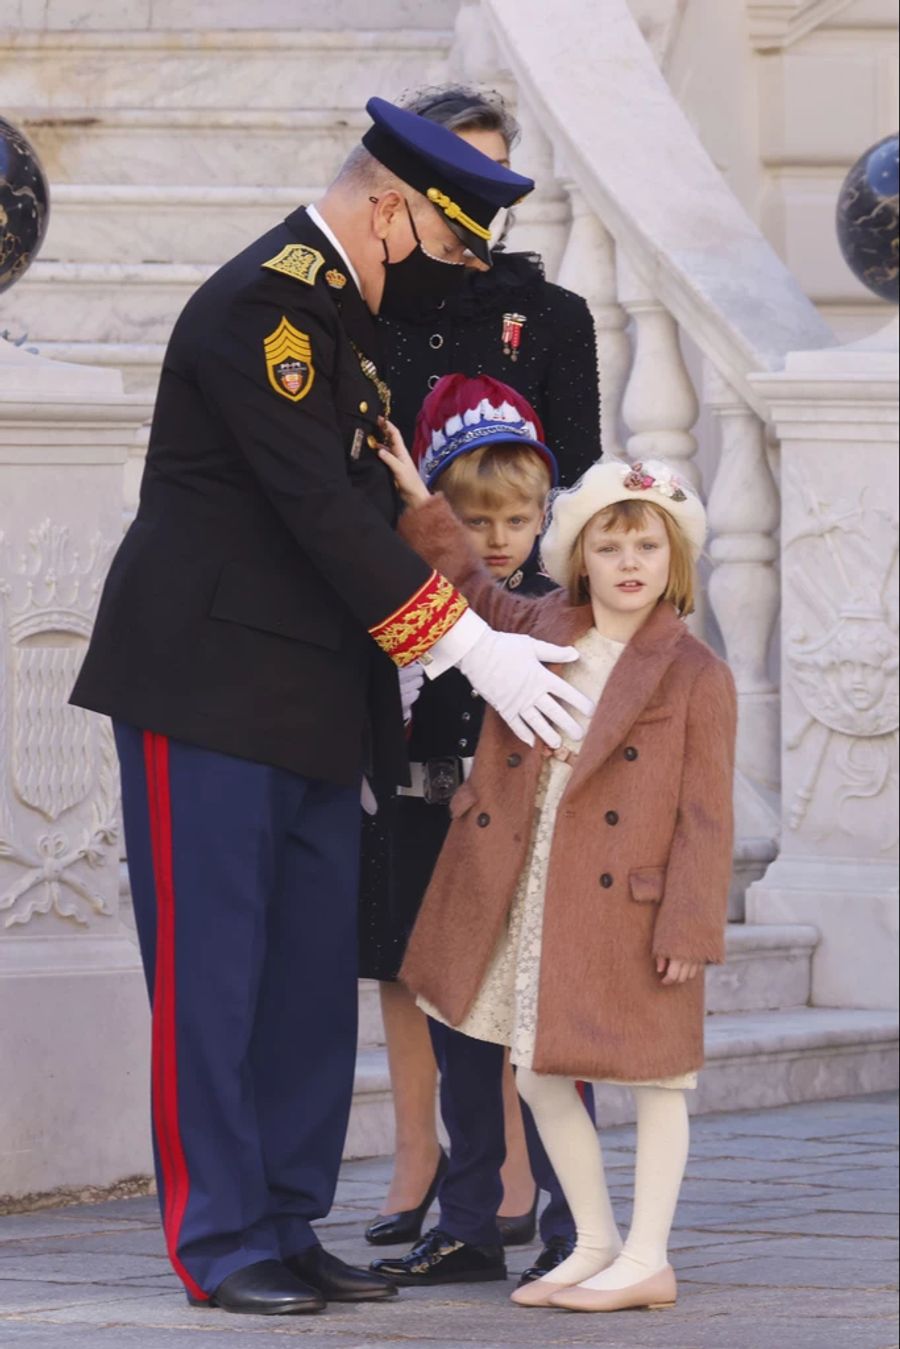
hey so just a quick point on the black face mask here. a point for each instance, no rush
(419, 281)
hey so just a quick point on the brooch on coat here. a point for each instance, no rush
(511, 334)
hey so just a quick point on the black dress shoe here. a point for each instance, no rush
(336, 1281)
(554, 1253)
(439, 1258)
(267, 1288)
(396, 1229)
(520, 1231)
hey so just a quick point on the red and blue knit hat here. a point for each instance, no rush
(462, 414)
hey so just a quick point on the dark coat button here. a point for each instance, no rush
(483, 820)
(630, 753)
(606, 880)
(611, 817)
(513, 760)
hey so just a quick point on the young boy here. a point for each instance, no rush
(481, 444)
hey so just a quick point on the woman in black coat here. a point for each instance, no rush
(509, 322)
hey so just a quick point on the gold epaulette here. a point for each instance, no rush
(298, 261)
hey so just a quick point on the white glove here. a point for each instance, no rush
(411, 678)
(505, 668)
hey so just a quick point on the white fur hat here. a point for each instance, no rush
(603, 485)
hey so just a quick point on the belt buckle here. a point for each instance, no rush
(441, 779)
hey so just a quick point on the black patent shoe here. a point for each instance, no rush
(396, 1229)
(520, 1231)
(267, 1288)
(554, 1253)
(440, 1258)
(337, 1281)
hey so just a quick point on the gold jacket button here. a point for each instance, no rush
(372, 442)
(363, 407)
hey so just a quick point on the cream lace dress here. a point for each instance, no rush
(505, 1008)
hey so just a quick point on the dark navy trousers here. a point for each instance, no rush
(472, 1109)
(244, 880)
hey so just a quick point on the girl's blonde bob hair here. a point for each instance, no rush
(630, 516)
(494, 475)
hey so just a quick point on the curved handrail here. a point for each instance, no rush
(604, 104)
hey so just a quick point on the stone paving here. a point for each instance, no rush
(785, 1236)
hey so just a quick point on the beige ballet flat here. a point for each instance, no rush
(652, 1294)
(538, 1293)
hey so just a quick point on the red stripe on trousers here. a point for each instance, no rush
(176, 1178)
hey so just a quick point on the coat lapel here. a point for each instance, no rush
(634, 679)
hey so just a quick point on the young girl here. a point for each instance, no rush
(482, 444)
(579, 895)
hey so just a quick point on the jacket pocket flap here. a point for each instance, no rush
(463, 799)
(275, 601)
(647, 884)
(659, 712)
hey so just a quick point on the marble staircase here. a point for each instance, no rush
(765, 1045)
(175, 131)
(170, 149)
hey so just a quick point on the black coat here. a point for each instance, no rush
(401, 844)
(556, 365)
(236, 611)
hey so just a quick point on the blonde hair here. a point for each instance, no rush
(630, 516)
(490, 476)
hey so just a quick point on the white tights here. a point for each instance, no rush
(599, 1259)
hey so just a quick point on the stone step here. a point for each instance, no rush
(768, 966)
(101, 302)
(227, 147)
(283, 15)
(206, 223)
(284, 68)
(139, 362)
(754, 1059)
(107, 222)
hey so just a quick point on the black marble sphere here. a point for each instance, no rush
(867, 219)
(24, 204)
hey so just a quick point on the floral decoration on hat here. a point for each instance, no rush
(641, 476)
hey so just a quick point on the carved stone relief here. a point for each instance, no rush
(841, 656)
(58, 774)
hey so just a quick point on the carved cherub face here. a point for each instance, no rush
(858, 663)
(861, 684)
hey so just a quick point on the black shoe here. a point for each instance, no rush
(439, 1258)
(396, 1229)
(554, 1253)
(336, 1281)
(520, 1231)
(267, 1288)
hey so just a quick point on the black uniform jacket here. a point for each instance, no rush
(236, 611)
(555, 365)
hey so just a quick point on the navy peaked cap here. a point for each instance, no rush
(465, 186)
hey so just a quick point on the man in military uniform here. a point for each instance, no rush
(246, 646)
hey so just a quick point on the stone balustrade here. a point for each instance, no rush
(696, 317)
(661, 250)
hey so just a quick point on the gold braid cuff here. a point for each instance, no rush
(411, 630)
